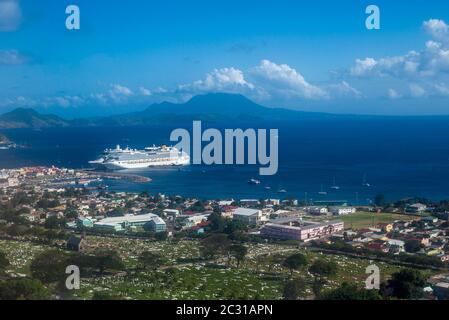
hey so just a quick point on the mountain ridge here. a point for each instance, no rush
(212, 107)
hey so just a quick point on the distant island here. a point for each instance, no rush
(214, 108)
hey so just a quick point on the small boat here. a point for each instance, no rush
(365, 183)
(334, 186)
(253, 181)
(322, 192)
(268, 188)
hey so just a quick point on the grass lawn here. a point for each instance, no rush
(360, 220)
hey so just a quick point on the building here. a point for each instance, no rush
(171, 212)
(318, 211)
(248, 216)
(126, 222)
(157, 225)
(302, 231)
(84, 222)
(341, 211)
(416, 208)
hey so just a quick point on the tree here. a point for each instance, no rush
(293, 289)
(406, 284)
(351, 292)
(321, 269)
(108, 260)
(295, 262)
(238, 251)
(412, 246)
(214, 245)
(161, 236)
(217, 222)
(233, 226)
(116, 212)
(4, 262)
(151, 259)
(71, 214)
(54, 222)
(23, 289)
(49, 266)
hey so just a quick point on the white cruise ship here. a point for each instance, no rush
(119, 159)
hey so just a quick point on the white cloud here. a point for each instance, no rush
(431, 61)
(224, 80)
(393, 94)
(10, 15)
(281, 79)
(438, 29)
(145, 92)
(342, 90)
(416, 90)
(363, 66)
(12, 57)
(118, 89)
(442, 89)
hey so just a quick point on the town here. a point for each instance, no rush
(157, 246)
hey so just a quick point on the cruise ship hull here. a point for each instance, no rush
(115, 165)
(119, 159)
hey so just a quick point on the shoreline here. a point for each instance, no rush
(118, 176)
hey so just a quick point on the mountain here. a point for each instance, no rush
(29, 118)
(213, 108)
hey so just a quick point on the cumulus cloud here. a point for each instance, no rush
(118, 89)
(438, 29)
(10, 15)
(431, 61)
(417, 91)
(284, 80)
(144, 91)
(223, 80)
(13, 57)
(393, 94)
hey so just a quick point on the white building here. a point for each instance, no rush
(341, 211)
(248, 216)
(318, 210)
(171, 212)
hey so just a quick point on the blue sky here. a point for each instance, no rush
(308, 55)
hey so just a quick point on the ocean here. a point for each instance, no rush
(399, 157)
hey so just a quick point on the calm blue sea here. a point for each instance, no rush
(400, 157)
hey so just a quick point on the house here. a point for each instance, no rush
(396, 246)
(318, 210)
(171, 212)
(340, 211)
(75, 244)
(416, 208)
(248, 216)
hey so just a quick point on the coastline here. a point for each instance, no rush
(118, 176)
